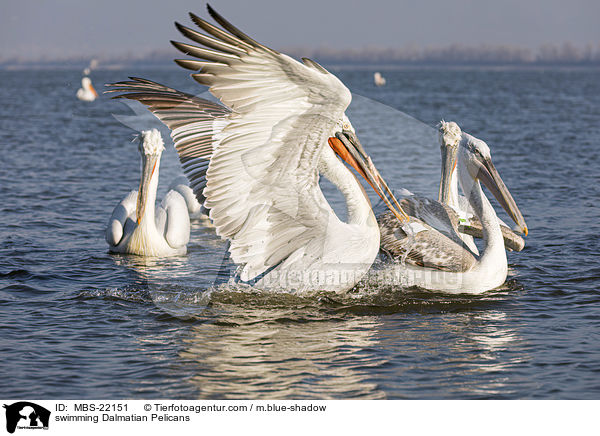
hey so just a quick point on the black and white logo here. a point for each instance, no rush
(26, 415)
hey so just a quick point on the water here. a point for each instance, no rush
(78, 322)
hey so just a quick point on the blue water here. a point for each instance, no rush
(78, 322)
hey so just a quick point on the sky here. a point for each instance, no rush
(47, 29)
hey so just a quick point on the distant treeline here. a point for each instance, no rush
(454, 54)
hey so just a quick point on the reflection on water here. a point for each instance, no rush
(477, 359)
(278, 357)
(256, 345)
(486, 343)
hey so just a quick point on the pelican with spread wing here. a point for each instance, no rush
(257, 170)
(434, 256)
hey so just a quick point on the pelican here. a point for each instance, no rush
(452, 214)
(134, 227)
(378, 79)
(450, 136)
(430, 259)
(285, 127)
(87, 91)
(465, 222)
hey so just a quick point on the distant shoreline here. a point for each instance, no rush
(452, 56)
(334, 66)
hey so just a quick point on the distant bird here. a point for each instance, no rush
(87, 91)
(92, 66)
(428, 258)
(285, 129)
(134, 227)
(379, 79)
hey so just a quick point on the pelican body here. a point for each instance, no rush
(195, 208)
(429, 259)
(87, 91)
(257, 169)
(135, 226)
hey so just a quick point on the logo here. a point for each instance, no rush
(26, 415)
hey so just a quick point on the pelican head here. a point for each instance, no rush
(151, 147)
(478, 161)
(450, 136)
(346, 145)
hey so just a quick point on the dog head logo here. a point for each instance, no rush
(26, 415)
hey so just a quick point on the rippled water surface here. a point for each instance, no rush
(78, 322)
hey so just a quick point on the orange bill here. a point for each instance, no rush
(364, 166)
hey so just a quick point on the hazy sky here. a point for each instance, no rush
(64, 28)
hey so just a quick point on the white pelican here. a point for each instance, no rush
(466, 225)
(431, 260)
(262, 182)
(87, 91)
(450, 136)
(451, 215)
(134, 228)
(378, 79)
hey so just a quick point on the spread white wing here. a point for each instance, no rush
(193, 122)
(262, 181)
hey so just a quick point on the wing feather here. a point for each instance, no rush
(429, 248)
(218, 33)
(194, 122)
(208, 41)
(261, 185)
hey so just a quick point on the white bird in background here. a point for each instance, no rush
(378, 79)
(432, 260)
(87, 91)
(134, 227)
(260, 171)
